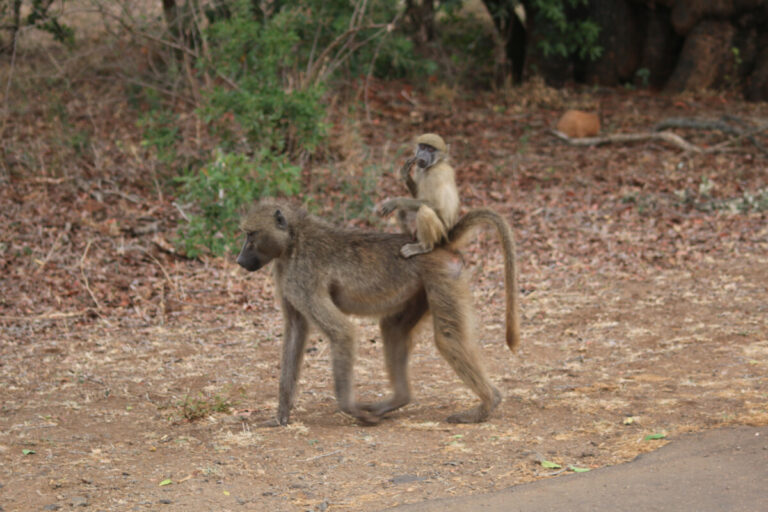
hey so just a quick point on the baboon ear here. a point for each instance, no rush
(280, 221)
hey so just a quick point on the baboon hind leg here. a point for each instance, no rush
(430, 230)
(454, 336)
(396, 332)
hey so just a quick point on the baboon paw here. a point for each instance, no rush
(364, 416)
(381, 408)
(385, 208)
(475, 415)
(273, 422)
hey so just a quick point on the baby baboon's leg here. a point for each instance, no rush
(454, 336)
(295, 333)
(398, 343)
(340, 332)
(430, 230)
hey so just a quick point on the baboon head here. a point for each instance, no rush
(430, 149)
(267, 234)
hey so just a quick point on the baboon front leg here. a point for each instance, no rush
(340, 332)
(454, 338)
(295, 333)
(396, 332)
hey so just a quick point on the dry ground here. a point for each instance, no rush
(645, 311)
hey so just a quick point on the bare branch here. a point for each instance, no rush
(621, 138)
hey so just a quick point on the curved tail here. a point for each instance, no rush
(459, 236)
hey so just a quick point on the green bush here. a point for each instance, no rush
(564, 36)
(259, 63)
(216, 194)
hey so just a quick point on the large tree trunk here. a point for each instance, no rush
(757, 83)
(556, 70)
(707, 59)
(676, 44)
(420, 15)
(621, 36)
(660, 48)
(511, 43)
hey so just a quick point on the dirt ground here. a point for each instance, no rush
(133, 379)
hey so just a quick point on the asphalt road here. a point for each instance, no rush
(723, 470)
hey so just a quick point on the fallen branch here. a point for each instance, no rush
(746, 135)
(698, 124)
(622, 138)
(743, 131)
(45, 316)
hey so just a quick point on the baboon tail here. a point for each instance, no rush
(460, 235)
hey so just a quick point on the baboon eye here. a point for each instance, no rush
(280, 220)
(427, 147)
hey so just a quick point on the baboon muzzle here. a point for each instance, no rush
(249, 263)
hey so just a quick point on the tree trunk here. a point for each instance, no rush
(621, 25)
(660, 49)
(554, 69)
(511, 42)
(421, 14)
(706, 59)
(757, 83)
(676, 44)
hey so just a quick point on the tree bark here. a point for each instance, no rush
(706, 59)
(621, 37)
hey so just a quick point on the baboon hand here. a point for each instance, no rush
(405, 170)
(386, 207)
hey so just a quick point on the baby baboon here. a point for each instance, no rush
(435, 199)
(324, 273)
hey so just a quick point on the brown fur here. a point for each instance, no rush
(324, 273)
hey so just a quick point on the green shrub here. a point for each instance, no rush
(564, 36)
(259, 63)
(217, 193)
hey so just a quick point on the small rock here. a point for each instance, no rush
(79, 501)
(407, 479)
(52, 506)
(165, 502)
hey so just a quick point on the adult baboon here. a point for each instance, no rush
(435, 201)
(324, 273)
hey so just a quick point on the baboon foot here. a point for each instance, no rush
(273, 422)
(409, 250)
(364, 416)
(385, 406)
(476, 414)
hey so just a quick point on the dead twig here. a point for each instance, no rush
(741, 132)
(321, 456)
(698, 124)
(622, 138)
(746, 135)
(45, 316)
(53, 248)
(85, 278)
